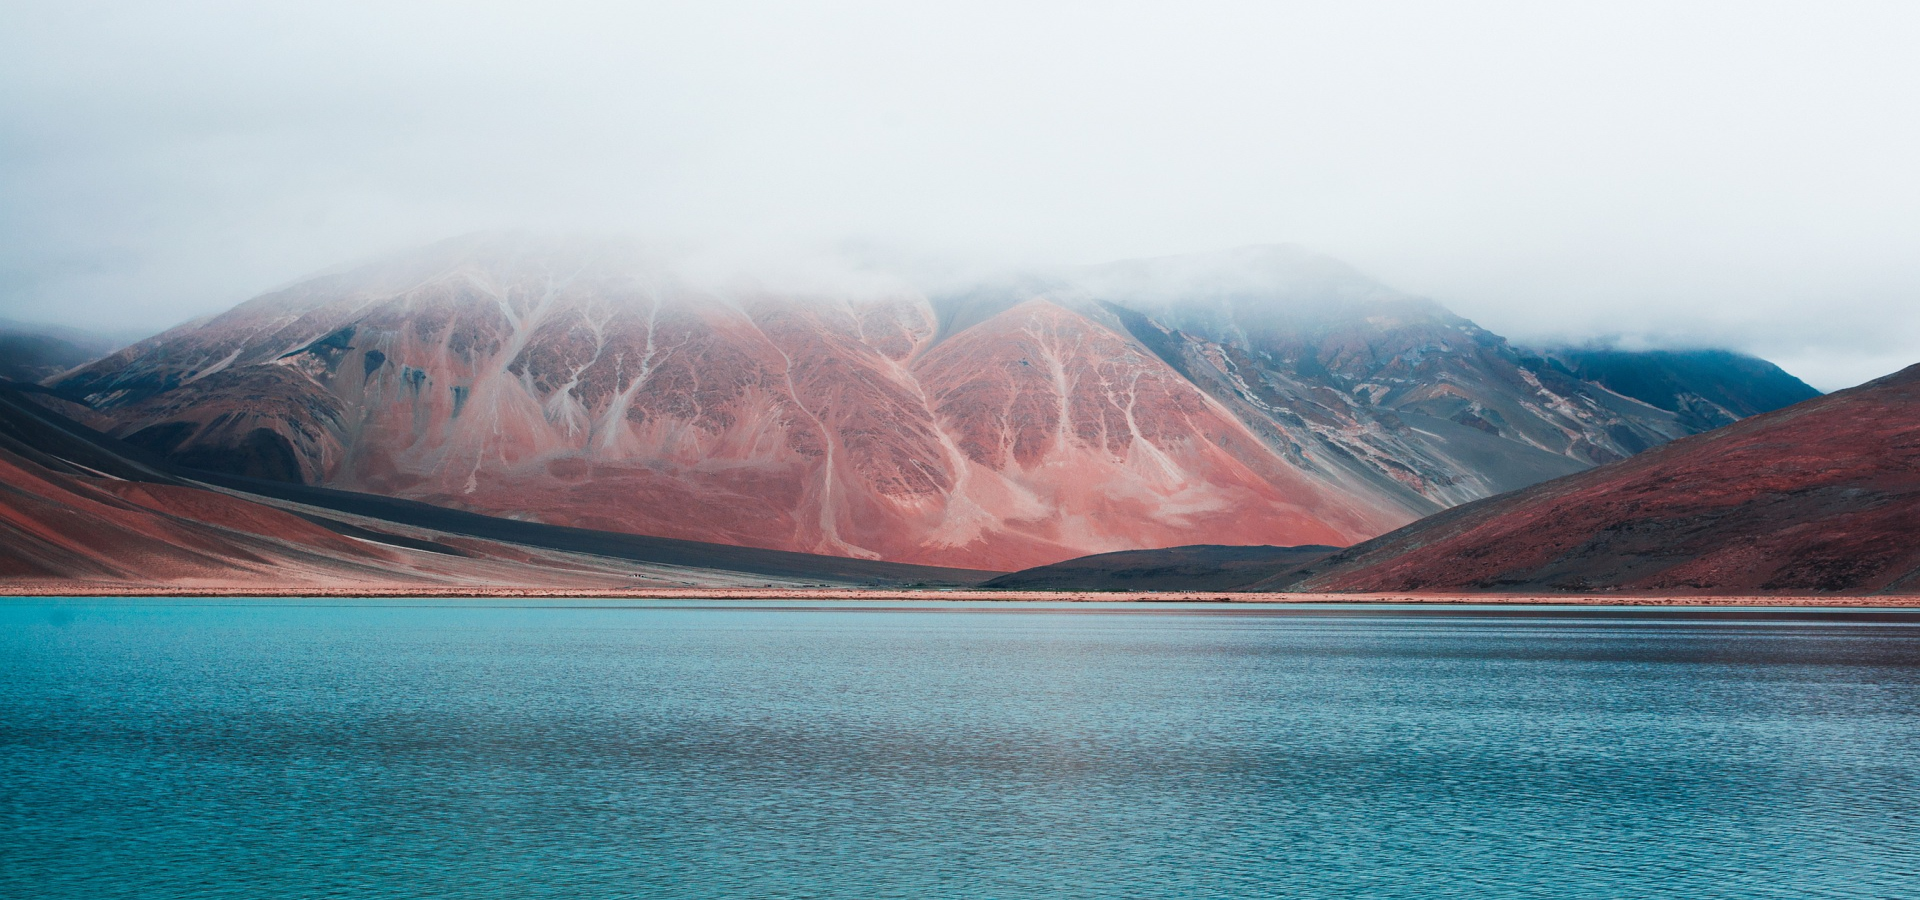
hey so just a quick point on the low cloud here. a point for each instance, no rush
(1727, 174)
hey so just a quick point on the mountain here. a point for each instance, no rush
(1821, 497)
(1360, 378)
(1263, 396)
(1205, 567)
(82, 511)
(79, 516)
(31, 353)
(1706, 388)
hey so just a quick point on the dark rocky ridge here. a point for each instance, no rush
(1202, 567)
(32, 353)
(1707, 388)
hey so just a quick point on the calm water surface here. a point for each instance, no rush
(160, 749)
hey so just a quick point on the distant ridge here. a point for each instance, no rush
(1709, 388)
(1201, 567)
(30, 352)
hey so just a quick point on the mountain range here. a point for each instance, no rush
(1263, 396)
(1819, 498)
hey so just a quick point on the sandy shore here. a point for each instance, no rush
(70, 589)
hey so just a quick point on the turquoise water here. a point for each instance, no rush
(160, 749)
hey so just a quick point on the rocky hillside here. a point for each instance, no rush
(1264, 396)
(1821, 497)
(81, 511)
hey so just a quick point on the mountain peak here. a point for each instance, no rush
(1264, 394)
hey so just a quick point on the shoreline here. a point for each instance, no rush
(45, 590)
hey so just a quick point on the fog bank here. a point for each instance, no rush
(1729, 174)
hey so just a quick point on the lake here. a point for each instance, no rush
(233, 748)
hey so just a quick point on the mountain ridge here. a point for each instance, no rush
(1285, 400)
(1819, 497)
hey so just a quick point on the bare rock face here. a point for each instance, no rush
(1385, 388)
(594, 385)
(1070, 436)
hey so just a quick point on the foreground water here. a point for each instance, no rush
(268, 749)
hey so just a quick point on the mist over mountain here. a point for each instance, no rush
(1708, 387)
(30, 351)
(1266, 395)
(1719, 175)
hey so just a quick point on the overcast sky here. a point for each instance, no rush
(1739, 174)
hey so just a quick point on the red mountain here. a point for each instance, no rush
(1820, 497)
(82, 511)
(87, 520)
(600, 386)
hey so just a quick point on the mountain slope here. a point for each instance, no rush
(82, 510)
(30, 353)
(1706, 388)
(1073, 436)
(1821, 497)
(1262, 396)
(73, 514)
(1394, 388)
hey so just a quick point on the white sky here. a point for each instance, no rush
(1667, 174)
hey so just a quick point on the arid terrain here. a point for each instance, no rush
(67, 589)
(1822, 497)
(1812, 505)
(512, 416)
(1260, 396)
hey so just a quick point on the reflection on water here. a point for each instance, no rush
(209, 749)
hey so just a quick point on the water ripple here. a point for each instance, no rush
(160, 750)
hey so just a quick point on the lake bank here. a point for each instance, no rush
(70, 589)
